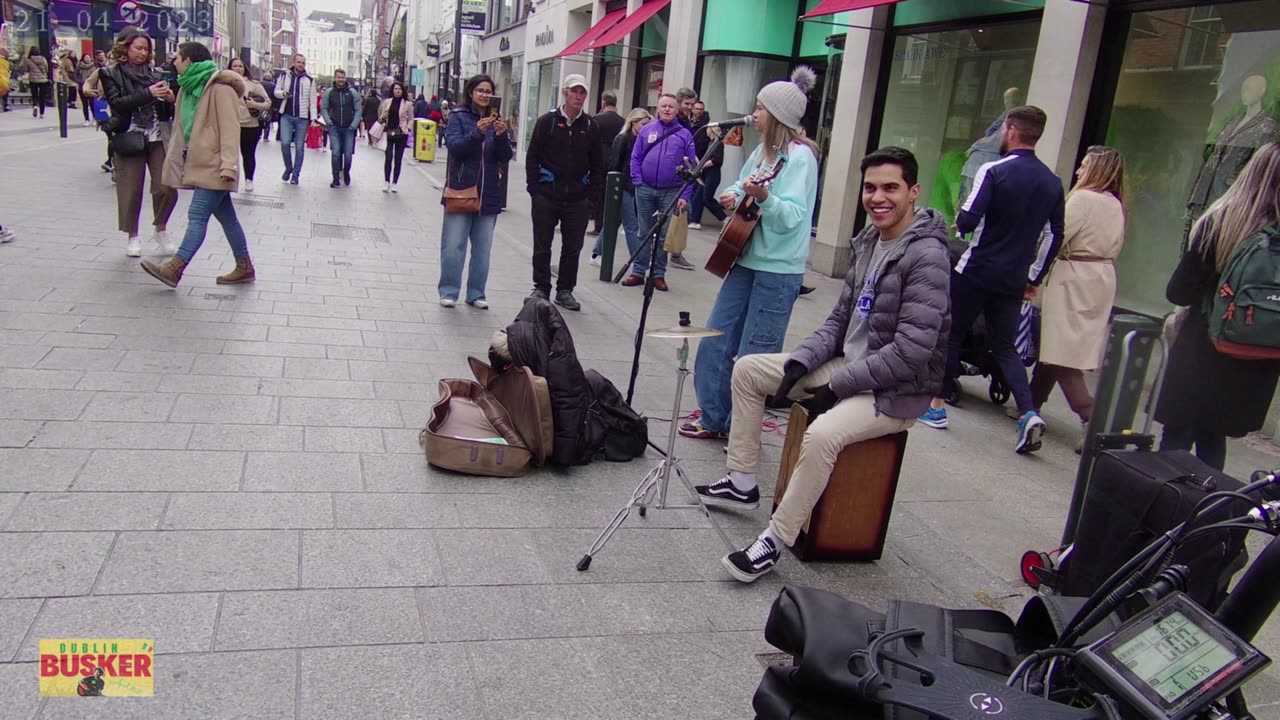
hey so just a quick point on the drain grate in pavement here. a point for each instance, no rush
(343, 232)
(219, 296)
(260, 202)
(778, 659)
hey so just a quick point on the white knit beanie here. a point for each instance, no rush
(786, 99)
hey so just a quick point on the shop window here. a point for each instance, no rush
(1198, 91)
(948, 92)
(729, 87)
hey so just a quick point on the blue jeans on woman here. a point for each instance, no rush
(458, 229)
(215, 203)
(651, 200)
(752, 310)
(627, 219)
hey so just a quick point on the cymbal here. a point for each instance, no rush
(684, 332)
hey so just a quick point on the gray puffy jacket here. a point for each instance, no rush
(910, 320)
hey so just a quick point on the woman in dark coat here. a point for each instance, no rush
(479, 151)
(620, 162)
(1207, 396)
(370, 111)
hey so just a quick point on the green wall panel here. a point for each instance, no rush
(918, 12)
(751, 26)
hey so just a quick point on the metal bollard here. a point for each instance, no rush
(612, 220)
(62, 110)
(1133, 340)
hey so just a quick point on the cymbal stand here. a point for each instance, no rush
(656, 481)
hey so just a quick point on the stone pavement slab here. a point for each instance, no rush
(235, 472)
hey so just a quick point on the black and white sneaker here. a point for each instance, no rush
(722, 493)
(753, 561)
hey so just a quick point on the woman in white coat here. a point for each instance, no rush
(1077, 296)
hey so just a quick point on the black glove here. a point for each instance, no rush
(824, 398)
(792, 371)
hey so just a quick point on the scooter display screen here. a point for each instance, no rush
(1171, 661)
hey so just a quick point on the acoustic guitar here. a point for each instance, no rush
(738, 227)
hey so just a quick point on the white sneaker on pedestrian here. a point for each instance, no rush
(166, 243)
(386, 188)
(595, 261)
(248, 186)
(135, 248)
(695, 226)
(394, 189)
(6, 235)
(447, 303)
(86, 123)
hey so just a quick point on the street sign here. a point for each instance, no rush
(131, 13)
(473, 15)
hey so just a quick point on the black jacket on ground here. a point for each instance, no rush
(1203, 389)
(540, 341)
(565, 160)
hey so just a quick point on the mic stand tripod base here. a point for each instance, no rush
(654, 485)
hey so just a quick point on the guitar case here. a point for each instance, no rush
(497, 425)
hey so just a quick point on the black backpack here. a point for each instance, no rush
(615, 431)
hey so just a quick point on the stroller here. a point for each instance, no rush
(975, 358)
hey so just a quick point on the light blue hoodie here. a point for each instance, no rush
(780, 242)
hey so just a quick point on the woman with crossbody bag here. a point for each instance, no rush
(396, 116)
(479, 150)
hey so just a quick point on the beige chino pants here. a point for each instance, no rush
(853, 419)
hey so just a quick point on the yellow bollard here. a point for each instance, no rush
(425, 139)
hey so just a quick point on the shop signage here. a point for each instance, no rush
(473, 15)
(433, 50)
(544, 38)
(504, 44)
(446, 48)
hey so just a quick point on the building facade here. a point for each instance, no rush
(284, 34)
(331, 42)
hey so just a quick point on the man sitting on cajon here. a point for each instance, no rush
(870, 370)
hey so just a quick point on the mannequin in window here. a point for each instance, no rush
(1231, 150)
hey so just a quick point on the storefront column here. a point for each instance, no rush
(1062, 77)
(630, 65)
(842, 184)
(683, 32)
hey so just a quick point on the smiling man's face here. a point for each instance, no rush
(889, 201)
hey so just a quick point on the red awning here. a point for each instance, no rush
(606, 23)
(629, 23)
(831, 7)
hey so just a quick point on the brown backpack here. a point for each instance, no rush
(498, 424)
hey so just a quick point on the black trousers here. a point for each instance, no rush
(395, 158)
(1002, 312)
(249, 137)
(571, 213)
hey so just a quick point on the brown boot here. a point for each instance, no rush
(242, 274)
(169, 272)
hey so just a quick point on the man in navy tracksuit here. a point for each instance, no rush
(1015, 215)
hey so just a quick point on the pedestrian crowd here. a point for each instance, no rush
(891, 352)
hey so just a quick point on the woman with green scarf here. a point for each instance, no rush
(205, 155)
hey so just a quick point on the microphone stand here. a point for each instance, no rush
(690, 176)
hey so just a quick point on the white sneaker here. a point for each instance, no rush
(595, 261)
(166, 243)
(6, 236)
(394, 189)
(446, 302)
(135, 248)
(248, 186)
(480, 304)
(86, 123)
(386, 188)
(695, 226)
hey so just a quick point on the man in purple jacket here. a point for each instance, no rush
(868, 371)
(661, 148)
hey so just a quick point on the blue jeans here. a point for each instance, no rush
(216, 203)
(752, 309)
(649, 201)
(627, 219)
(293, 130)
(342, 143)
(458, 228)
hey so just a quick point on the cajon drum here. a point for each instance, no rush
(852, 516)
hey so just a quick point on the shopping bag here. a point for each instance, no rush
(315, 137)
(1027, 342)
(677, 234)
(377, 131)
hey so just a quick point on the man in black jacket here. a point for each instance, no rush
(564, 169)
(610, 123)
(705, 196)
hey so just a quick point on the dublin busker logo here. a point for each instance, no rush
(89, 668)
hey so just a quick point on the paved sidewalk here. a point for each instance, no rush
(235, 472)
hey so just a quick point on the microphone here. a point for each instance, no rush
(737, 122)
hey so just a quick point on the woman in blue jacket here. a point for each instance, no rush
(754, 305)
(478, 155)
(660, 149)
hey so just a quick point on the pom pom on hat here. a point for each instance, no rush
(786, 100)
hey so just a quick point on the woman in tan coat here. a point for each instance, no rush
(38, 79)
(1077, 296)
(256, 104)
(396, 116)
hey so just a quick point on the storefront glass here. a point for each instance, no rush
(650, 85)
(729, 87)
(613, 79)
(946, 90)
(1198, 92)
(544, 92)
